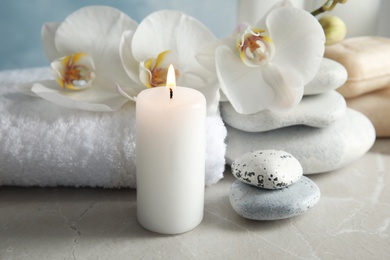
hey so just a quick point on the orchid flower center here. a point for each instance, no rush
(153, 72)
(75, 72)
(255, 47)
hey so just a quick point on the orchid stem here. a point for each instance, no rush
(328, 6)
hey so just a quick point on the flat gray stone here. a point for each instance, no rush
(317, 111)
(331, 75)
(317, 149)
(267, 169)
(260, 204)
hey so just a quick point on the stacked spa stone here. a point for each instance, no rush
(270, 186)
(321, 132)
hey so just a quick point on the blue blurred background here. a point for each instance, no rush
(21, 22)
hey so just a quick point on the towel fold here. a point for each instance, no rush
(42, 144)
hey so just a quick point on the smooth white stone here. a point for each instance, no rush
(331, 75)
(260, 204)
(317, 149)
(268, 169)
(316, 110)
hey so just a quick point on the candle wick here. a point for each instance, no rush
(170, 93)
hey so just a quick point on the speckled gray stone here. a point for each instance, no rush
(317, 149)
(331, 75)
(317, 111)
(260, 204)
(268, 169)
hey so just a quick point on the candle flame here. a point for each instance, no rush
(171, 79)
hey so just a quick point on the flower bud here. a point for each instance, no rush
(334, 29)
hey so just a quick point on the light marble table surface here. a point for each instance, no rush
(351, 221)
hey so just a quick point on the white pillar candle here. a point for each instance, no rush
(170, 150)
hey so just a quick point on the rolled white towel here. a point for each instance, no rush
(42, 144)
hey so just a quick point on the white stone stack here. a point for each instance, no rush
(321, 132)
(270, 186)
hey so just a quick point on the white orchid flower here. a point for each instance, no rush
(84, 55)
(267, 65)
(164, 38)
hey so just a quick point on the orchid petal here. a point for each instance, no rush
(166, 58)
(75, 72)
(144, 73)
(123, 93)
(287, 86)
(299, 41)
(212, 96)
(193, 80)
(153, 72)
(223, 97)
(96, 30)
(282, 3)
(48, 35)
(170, 30)
(131, 67)
(209, 89)
(25, 88)
(243, 86)
(182, 36)
(88, 99)
(129, 63)
(206, 54)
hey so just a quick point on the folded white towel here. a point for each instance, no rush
(42, 144)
